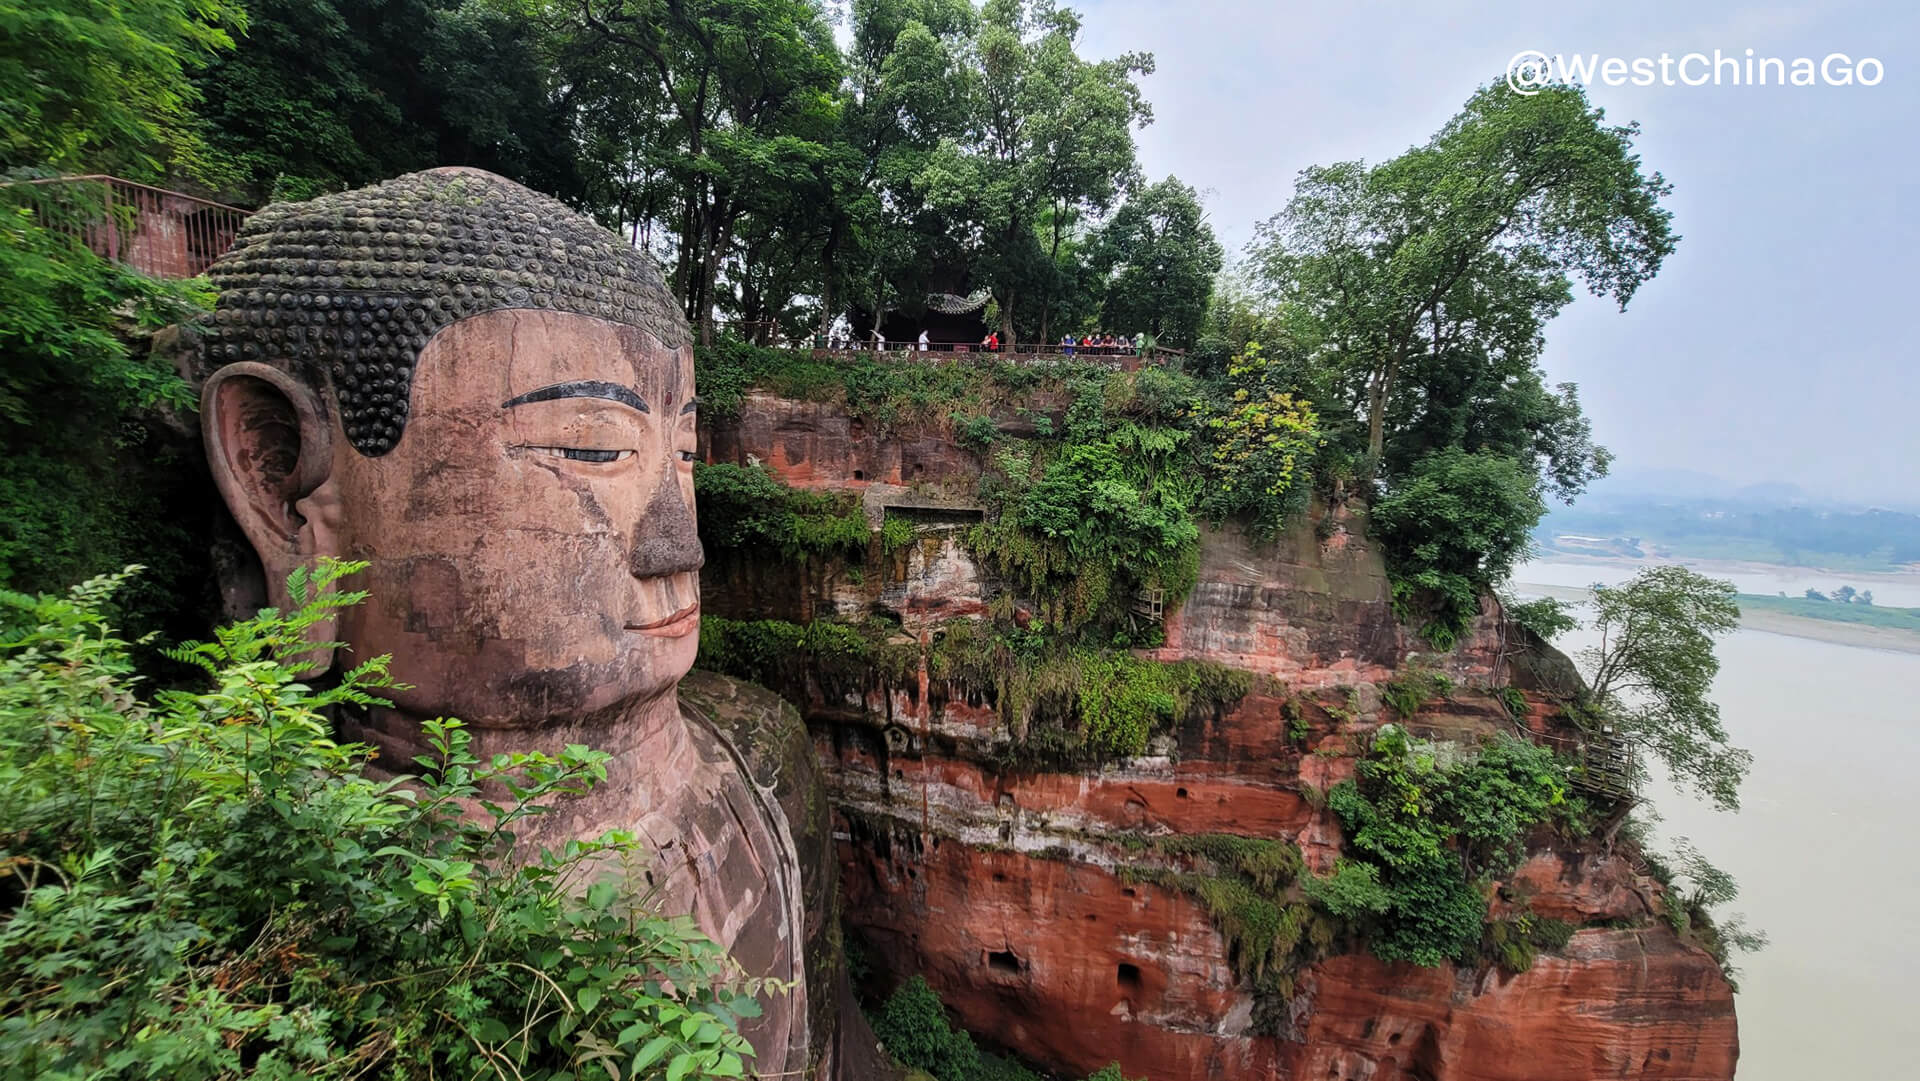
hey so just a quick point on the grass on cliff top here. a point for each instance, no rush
(883, 389)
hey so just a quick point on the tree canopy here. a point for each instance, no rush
(1653, 672)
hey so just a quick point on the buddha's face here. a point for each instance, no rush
(531, 537)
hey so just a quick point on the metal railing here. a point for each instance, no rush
(152, 231)
(845, 345)
(1603, 761)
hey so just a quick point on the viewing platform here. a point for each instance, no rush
(1116, 358)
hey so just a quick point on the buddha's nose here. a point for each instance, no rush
(666, 541)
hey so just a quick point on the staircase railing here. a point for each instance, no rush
(152, 231)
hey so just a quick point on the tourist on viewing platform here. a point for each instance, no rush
(923, 341)
(1066, 344)
(991, 343)
(1143, 344)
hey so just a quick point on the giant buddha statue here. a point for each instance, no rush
(490, 400)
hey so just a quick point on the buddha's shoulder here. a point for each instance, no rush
(765, 732)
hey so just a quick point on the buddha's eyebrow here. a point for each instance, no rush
(692, 405)
(581, 388)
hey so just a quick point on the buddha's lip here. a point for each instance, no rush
(673, 626)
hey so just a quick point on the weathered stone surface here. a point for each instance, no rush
(1002, 889)
(489, 400)
(1008, 889)
(1616, 1004)
(1309, 611)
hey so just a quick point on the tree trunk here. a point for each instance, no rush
(1377, 414)
(1007, 343)
(827, 253)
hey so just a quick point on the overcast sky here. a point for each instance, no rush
(1778, 342)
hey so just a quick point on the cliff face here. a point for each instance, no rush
(1025, 896)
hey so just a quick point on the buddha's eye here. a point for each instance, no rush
(685, 455)
(583, 454)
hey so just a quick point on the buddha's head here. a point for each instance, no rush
(489, 399)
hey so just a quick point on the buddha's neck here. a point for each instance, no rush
(634, 733)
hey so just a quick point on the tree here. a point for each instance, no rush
(322, 95)
(1046, 129)
(91, 474)
(1261, 439)
(1844, 594)
(1652, 674)
(1156, 259)
(721, 107)
(881, 241)
(1453, 528)
(1815, 595)
(89, 87)
(1514, 185)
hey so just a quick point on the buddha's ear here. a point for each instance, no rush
(270, 447)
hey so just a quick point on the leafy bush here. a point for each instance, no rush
(747, 507)
(1415, 688)
(1513, 943)
(896, 532)
(205, 885)
(1451, 529)
(1083, 525)
(1260, 441)
(1351, 892)
(90, 475)
(977, 432)
(912, 1025)
(1545, 616)
(1433, 829)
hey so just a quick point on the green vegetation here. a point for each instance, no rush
(785, 655)
(1261, 442)
(1416, 686)
(748, 508)
(1453, 528)
(93, 475)
(1435, 822)
(1061, 703)
(1546, 617)
(1695, 889)
(1515, 941)
(87, 87)
(1652, 673)
(1252, 888)
(912, 1025)
(1419, 288)
(1087, 521)
(92, 472)
(203, 884)
(1864, 615)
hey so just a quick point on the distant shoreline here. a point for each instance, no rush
(1819, 630)
(1710, 567)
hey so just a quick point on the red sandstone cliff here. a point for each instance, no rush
(1009, 891)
